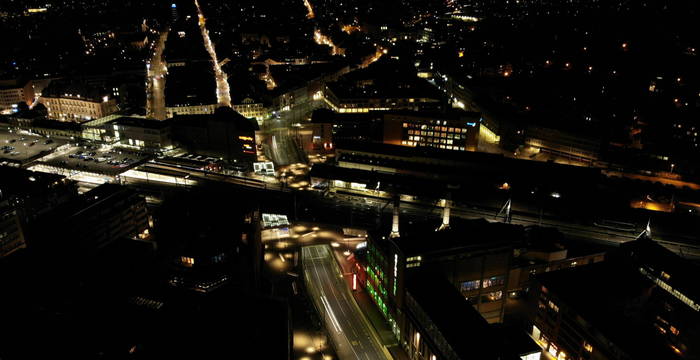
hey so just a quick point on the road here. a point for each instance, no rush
(156, 81)
(352, 335)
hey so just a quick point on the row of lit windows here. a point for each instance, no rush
(447, 147)
(436, 134)
(434, 128)
(680, 296)
(488, 282)
(431, 140)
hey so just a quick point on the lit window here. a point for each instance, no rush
(553, 306)
(673, 330)
(187, 261)
(470, 285)
(553, 349)
(588, 347)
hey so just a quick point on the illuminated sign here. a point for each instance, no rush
(264, 168)
(274, 220)
(245, 138)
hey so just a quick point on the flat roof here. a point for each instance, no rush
(221, 114)
(420, 238)
(683, 274)
(142, 122)
(465, 330)
(608, 296)
(190, 85)
(14, 181)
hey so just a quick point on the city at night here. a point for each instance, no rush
(350, 179)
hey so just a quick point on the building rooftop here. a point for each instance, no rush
(464, 329)
(76, 89)
(619, 308)
(420, 238)
(222, 114)
(20, 182)
(141, 122)
(383, 80)
(682, 273)
(192, 84)
(12, 83)
(329, 116)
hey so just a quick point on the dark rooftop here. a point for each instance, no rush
(78, 89)
(682, 273)
(421, 238)
(141, 122)
(384, 80)
(619, 307)
(192, 84)
(465, 330)
(20, 182)
(222, 114)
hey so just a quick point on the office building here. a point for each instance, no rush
(642, 303)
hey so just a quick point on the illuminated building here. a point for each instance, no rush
(451, 132)
(248, 108)
(13, 92)
(77, 101)
(481, 251)
(381, 86)
(458, 131)
(140, 132)
(174, 16)
(363, 103)
(645, 305)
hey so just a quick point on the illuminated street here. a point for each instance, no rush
(351, 332)
(156, 72)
